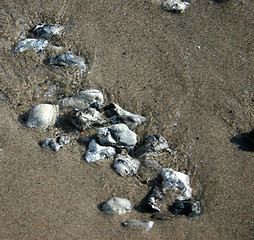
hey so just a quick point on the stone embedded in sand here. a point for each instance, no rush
(117, 205)
(42, 116)
(175, 5)
(46, 31)
(68, 59)
(187, 208)
(139, 223)
(126, 165)
(56, 143)
(154, 146)
(119, 115)
(151, 201)
(118, 135)
(31, 44)
(97, 152)
(87, 118)
(178, 182)
(83, 99)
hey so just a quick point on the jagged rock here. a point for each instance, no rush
(175, 5)
(83, 99)
(56, 143)
(117, 205)
(119, 115)
(187, 208)
(87, 118)
(118, 135)
(177, 181)
(125, 165)
(97, 152)
(31, 44)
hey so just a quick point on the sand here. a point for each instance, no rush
(190, 74)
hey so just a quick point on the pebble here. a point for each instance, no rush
(97, 152)
(42, 116)
(56, 143)
(46, 31)
(118, 135)
(68, 59)
(117, 205)
(83, 99)
(119, 115)
(187, 208)
(175, 5)
(139, 223)
(87, 118)
(177, 181)
(31, 44)
(126, 165)
(151, 201)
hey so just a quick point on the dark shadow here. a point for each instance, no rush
(23, 118)
(245, 141)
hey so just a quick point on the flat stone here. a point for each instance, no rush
(126, 165)
(31, 44)
(117, 205)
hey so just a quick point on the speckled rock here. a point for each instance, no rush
(117, 205)
(31, 44)
(126, 165)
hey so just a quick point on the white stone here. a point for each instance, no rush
(117, 205)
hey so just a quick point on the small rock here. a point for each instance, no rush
(125, 165)
(68, 59)
(56, 143)
(42, 116)
(187, 208)
(97, 152)
(140, 223)
(83, 99)
(117, 205)
(119, 115)
(118, 135)
(178, 182)
(31, 44)
(87, 118)
(175, 5)
(46, 31)
(154, 146)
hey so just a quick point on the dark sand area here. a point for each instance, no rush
(190, 74)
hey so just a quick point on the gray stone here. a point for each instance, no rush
(56, 143)
(31, 44)
(139, 223)
(175, 5)
(119, 115)
(126, 165)
(117, 205)
(117, 135)
(97, 152)
(46, 31)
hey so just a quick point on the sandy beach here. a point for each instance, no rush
(189, 74)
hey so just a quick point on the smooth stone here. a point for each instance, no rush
(31, 44)
(187, 208)
(126, 165)
(87, 118)
(46, 31)
(83, 99)
(42, 116)
(97, 152)
(56, 143)
(119, 115)
(139, 223)
(117, 205)
(176, 181)
(117, 135)
(68, 59)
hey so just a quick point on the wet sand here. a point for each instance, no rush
(190, 74)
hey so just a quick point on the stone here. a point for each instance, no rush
(31, 44)
(186, 207)
(46, 31)
(97, 152)
(175, 5)
(139, 223)
(126, 165)
(117, 205)
(56, 143)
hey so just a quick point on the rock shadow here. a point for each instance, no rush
(245, 141)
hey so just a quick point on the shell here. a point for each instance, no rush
(140, 223)
(97, 152)
(42, 116)
(56, 143)
(187, 208)
(68, 59)
(117, 135)
(85, 119)
(125, 165)
(175, 5)
(31, 44)
(119, 115)
(83, 99)
(46, 31)
(117, 205)
(176, 181)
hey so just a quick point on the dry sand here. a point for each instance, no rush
(190, 74)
